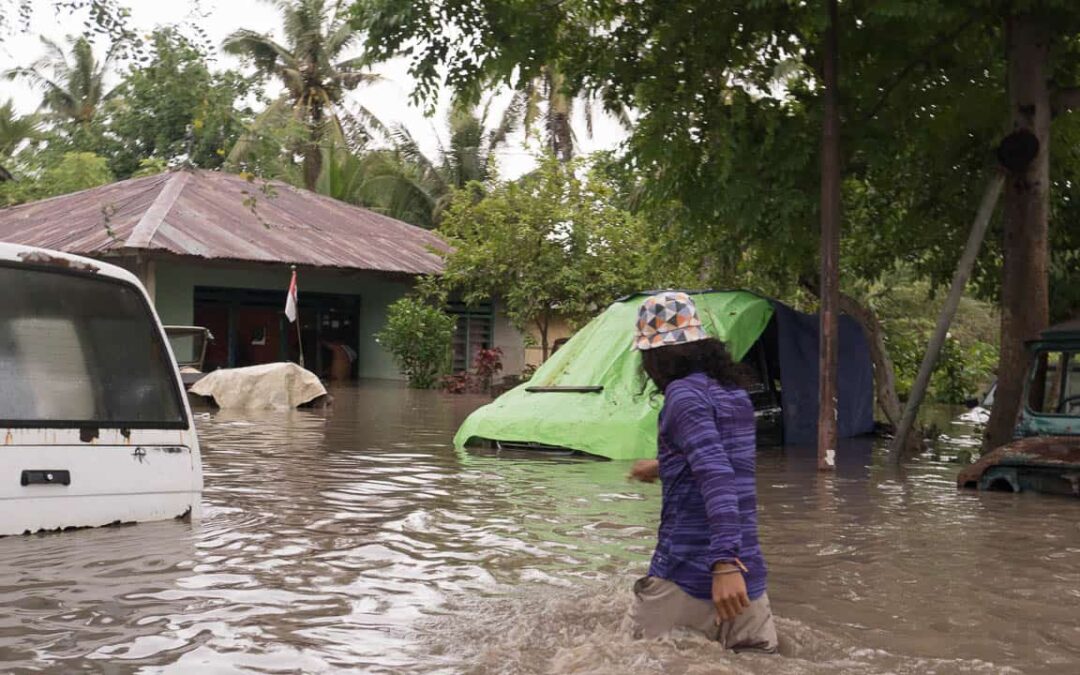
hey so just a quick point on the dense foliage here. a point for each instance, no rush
(72, 172)
(169, 109)
(174, 108)
(729, 115)
(720, 172)
(420, 338)
(553, 243)
(312, 66)
(908, 307)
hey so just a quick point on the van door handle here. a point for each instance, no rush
(46, 477)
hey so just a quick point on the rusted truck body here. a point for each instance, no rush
(1045, 456)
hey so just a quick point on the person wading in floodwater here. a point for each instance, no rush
(707, 573)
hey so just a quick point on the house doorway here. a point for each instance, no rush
(250, 328)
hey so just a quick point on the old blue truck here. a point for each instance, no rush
(1045, 455)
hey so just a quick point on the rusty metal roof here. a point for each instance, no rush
(221, 216)
(1068, 329)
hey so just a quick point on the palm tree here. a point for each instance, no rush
(14, 130)
(546, 96)
(74, 85)
(314, 75)
(380, 180)
(470, 153)
(405, 183)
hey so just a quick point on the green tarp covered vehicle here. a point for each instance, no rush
(591, 396)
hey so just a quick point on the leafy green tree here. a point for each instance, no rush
(75, 171)
(420, 337)
(550, 244)
(172, 106)
(470, 153)
(73, 84)
(315, 74)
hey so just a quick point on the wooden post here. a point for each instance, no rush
(299, 339)
(146, 270)
(830, 252)
(948, 311)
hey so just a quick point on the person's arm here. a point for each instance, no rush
(690, 425)
(645, 470)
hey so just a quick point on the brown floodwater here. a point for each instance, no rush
(358, 539)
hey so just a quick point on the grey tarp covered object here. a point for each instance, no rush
(274, 386)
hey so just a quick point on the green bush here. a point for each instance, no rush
(420, 337)
(962, 370)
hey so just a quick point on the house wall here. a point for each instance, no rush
(175, 295)
(510, 341)
(558, 328)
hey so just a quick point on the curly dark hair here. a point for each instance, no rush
(666, 364)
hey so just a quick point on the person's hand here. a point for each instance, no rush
(645, 470)
(729, 592)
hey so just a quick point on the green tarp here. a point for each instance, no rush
(620, 421)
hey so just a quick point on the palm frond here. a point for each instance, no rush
(508, 123)
(54, 58)
(340, 39)
(272, 118)
(263, 50)
(351, 79)
(407, 147)
(370, 122)
(15, 128)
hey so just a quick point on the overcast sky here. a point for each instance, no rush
(387, 99)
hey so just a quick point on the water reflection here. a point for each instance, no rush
(358, 539)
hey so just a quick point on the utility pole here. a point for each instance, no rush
(830, 252)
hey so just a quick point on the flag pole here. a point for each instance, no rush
(299, 340)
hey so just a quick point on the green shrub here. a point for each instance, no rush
(420, 337)
(962, 370)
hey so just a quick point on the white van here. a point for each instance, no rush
(95, 427)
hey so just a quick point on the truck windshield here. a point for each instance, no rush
(1055, 383)
(79, 350)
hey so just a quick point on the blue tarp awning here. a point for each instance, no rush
(797, 342)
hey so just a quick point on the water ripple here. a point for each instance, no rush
(357, 539)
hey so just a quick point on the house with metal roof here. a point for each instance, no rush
(217, 250)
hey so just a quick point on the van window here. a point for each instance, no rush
(1055, 383)
(186, 347)
(81, 350)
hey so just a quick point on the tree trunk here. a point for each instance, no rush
(884, 372)
(830, 252)
(542, 327)
(560, 106)
(1024, 284)
(313, 149)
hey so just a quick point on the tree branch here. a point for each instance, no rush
(910, 68)
(1064, 99)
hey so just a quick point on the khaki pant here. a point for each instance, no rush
(661, 606)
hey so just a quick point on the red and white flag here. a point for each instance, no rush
(290, 300)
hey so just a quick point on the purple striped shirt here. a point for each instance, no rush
(707, 448)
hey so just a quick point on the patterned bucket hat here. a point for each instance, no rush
(668, 318)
